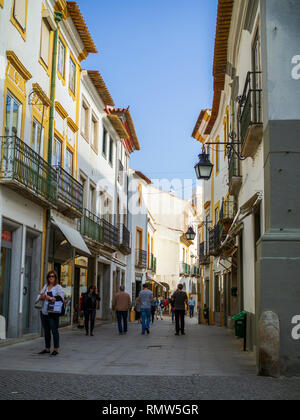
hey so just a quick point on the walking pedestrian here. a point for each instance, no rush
(51, 293)
(121, 304)
(137, 308)
(172, 310)
(192, 304)
(153, 309)
(146, 298)
(89, 307)
(180, 299)
(160, 307)
(206, 313)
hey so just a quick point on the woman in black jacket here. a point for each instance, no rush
(89, 307)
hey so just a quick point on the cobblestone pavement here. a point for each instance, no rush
(208, 363)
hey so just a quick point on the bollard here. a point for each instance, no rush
(269, 345)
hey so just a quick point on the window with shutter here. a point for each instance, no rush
(61, 58)
(20, 13)
(45, 42)
(72, 76)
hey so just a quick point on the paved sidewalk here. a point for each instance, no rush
(207, 363)
(203, 351)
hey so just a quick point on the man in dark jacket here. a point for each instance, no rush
(180, 299)
(89, 307)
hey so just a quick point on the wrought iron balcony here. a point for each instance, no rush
(141, 258)
(185, 269)
(228, 211)
(124, 240)
(204, 253)
(235, 178)
(110, 235)
(215, 240)
(22, 169)
(69, 194)
(195, 271)
(152, 263)
(90, 227)
(250, 115)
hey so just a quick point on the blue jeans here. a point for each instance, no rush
(50, 324)
(146, 317)
(122, 315)
(192, 309)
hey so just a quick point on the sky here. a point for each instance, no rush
(156, 56)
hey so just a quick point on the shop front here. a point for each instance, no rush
(20, 279)
(68, 256)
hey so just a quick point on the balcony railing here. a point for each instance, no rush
(110, 234)
(124, 239)
(228, 211)
(250, 114)
(24, 169)
(141, 258)
(215, 240)
(204, 253)
(235, 178)
(70, 193)
(195, 271)
(90, 227)
(185, 269)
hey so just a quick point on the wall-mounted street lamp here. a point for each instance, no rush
(190, 234)
(204, 167)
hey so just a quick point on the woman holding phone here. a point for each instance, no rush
(51, 293)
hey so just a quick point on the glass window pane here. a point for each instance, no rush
(20, 13)
(72, 76)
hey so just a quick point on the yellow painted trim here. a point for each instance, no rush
(2, 3)
(35, 114)
(77, 117)
(217, 156)
(17, 64)
(41, 61)
(73, 94)
(74, 127)
(59, 135)
(206, 205)
(62, 140)
(60, 76)
(21, 97)
(61, 6)
(72, 150)
(16, 23)
(61, 110)
(138, 229)
(37, 89)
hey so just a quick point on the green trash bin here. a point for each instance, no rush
(239, 324)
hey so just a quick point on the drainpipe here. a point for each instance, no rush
(58, 18)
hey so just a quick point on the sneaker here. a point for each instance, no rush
(44, 352)
(92, 335)
(148, 331)
(183, 333)
(176, 333)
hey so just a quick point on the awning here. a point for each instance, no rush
(157, 282)
(244, 211)
(73, 237)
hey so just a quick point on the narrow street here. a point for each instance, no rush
(208, 363)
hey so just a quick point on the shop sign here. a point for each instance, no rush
(6, 236)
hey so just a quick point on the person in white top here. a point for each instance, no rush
(52, 292)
